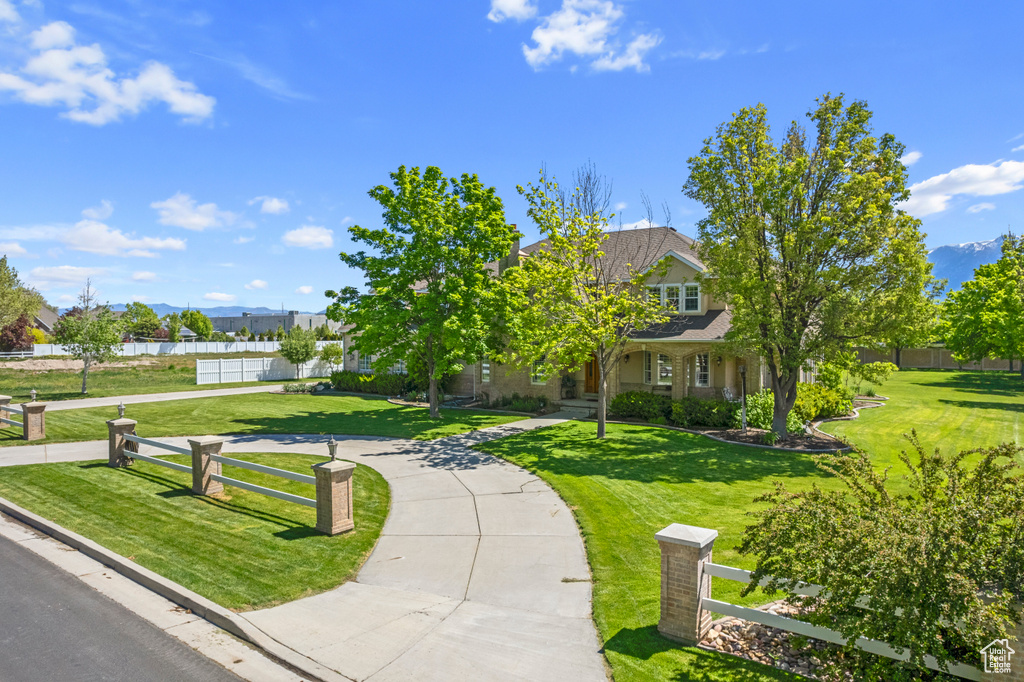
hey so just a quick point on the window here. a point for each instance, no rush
(654, 292)
(664, 370)
(398, 367)
(537, 373)
(691, 300)
(647, 367)
(672, 297)
(702, 377)
(364, 363)
(485, 371)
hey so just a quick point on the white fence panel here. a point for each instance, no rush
(229, 370)
(180, 348)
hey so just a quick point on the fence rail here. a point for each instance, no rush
(270, 492)
(157, 444)
(179, 348)
(273, 471)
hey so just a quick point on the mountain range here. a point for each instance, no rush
(956, 262)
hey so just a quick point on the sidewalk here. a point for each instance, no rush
(479, 573)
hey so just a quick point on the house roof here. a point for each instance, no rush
(711, 326)
(45, 319)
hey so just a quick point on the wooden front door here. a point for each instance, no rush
(590, 375)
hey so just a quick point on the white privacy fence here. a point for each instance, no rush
(230, 370)
(180, 348)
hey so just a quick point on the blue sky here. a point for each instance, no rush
(214, 153)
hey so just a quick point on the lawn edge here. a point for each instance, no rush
(172, 591)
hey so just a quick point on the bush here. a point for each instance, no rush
(641, 405)
(692, 412)
(761, 407)
(815, 401)
(518, 403)
(380, 384)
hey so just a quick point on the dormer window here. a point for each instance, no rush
(672, 297)
(691, 298)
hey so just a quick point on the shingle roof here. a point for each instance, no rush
(46, 318)
(710, 326)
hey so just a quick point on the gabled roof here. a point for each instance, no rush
(45, 319)
(711, 326)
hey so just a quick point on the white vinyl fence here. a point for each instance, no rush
(230, 370)
(180, 348)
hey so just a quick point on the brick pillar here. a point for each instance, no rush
(684, 551)
(1015, 661)
(334, 496)
(34, 420)
(203, 466)
(117, 428)
(4, 400)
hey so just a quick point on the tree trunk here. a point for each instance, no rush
(435, 410)
(785, 397)
(85, 371)
(899, 357)
(602, 400)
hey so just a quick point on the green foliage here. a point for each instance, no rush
(16, 299)
(908, 569)
(985, 318)
(873, 372)
(769, 438)
(830, 375)
(173, 323)
(817, 401)
(693, 412)
(89, 332)
(38, 336)
(198, 323)
(426, 271)
(760, 410)
(803, 238)
(223, 337)
(17, 335)
(298, 347)
(252, 336)
(280, 333)
(640, 405)
(139, 320)
(243, 332)
(333, 354)
(389, 384)
(518, 403)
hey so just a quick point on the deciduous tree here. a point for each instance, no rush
(16, 298)
(425, 273)
(299, 346)
(173, 323)
(804, 239)
(89, 332)
(198, 323)
(139, 320)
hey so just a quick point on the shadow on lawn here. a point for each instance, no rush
(990, 383)
(984, 405)
(650, 455)
(643, 643)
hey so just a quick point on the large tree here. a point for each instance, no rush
(139, 320)
(88, 332)
(804, 239)
(985, 317)
(426, 273)
(579, 295)
(198, 323)
(16, 298)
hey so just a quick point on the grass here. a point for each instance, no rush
(264, 413)
(632, 484)
(243, 550)
(954, 409)
(162, 374)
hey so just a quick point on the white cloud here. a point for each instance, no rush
(271, 205)
(304, 290)
(101, 212)
(977, 180)
(63, 73)
(181, 211)
(346, 219)
(511, 9)
(256, 284)
(978, 208)
(242, 240)
(910, 158)
(12, 249)
(143, 276)
(218, 296)
(1018, 149)
(260, 76)
(7, 12)
(585, 28)
(621, 206)
(93, 236)
(46, 278)
(638, 225)
(309, 237)
(140, 299)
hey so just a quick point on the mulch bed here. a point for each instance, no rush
(796, 441)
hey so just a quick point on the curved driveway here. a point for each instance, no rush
(479, 573)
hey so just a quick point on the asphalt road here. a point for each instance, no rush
(54, 627)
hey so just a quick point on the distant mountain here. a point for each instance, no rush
(956, 262)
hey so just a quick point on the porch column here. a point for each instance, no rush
(678, 375)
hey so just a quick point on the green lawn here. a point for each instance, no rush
(951, 409)
(162, 374)
(264, 413)
(244, 551)
(626, 488)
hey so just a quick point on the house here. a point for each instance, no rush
(45, 319)
(685, 356)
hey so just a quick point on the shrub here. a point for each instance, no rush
(16, 335)
(381, 384)
(518, 403)
(830, 375)
(641, 405)
(815, 401)
(38, 336)
(761, 407)
(692, 412)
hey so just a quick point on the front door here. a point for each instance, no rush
(590, 375)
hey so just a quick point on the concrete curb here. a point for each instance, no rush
(172, 591)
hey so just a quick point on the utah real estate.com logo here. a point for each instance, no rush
(997, 656)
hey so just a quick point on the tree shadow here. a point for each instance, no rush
(990, 383)
(984, 405)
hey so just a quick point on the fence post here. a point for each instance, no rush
(684, 551)
(34, 420)
(203, 466)
(117, 428)
(4, 400)
(334, 496)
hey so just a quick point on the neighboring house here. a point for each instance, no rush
(46, 320)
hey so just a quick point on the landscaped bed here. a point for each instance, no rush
(265, 413)
(240, 549)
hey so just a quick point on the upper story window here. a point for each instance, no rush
(672, 297)
(485, 371)
(691, 298)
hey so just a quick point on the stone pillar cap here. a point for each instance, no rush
(335, 465)
(121, 422)
(206, 440)
(2, 397)
(691, 536)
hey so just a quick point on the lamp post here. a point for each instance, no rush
(33, 394)
(332, 447)
(743, 377)
(120, 411)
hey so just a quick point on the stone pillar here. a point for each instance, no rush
(684, 551)
(334, 496)
(34, 419)
(117, 428)
(203, 466)
(4, 400)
